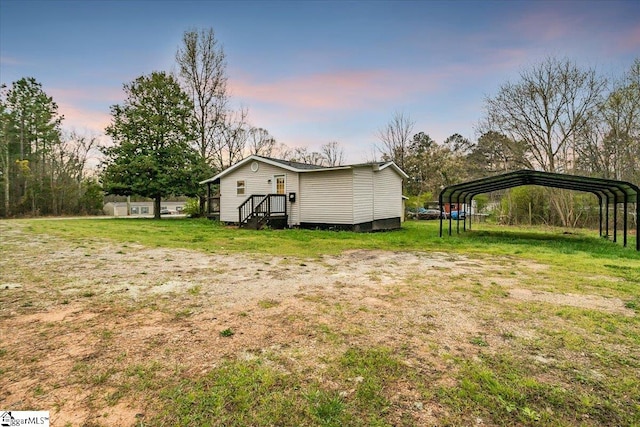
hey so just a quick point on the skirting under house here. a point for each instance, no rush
(377, 225)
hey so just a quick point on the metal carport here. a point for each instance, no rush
(609, 192)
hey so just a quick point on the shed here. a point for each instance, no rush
(261, 191)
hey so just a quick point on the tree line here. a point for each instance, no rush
(557, 118)
(42, 169)
(174, 130)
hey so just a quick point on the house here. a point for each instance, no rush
(260, 190)
(140, 208)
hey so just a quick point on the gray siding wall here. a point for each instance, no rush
(326, 197)
(363, 191)
(255, 183)
(387, 195)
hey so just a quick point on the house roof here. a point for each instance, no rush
(296, 165)
(302, 167)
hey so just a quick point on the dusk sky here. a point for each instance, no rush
(317, 71)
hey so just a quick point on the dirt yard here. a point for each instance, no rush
(80, 318)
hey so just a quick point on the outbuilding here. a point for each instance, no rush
(260, 191)
(610, 193)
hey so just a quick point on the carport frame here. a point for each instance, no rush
(607, 190)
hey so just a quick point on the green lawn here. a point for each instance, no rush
(204, 235)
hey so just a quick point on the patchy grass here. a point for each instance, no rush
(520, 327)
(268, 303)
(227, 395)
(501, 389)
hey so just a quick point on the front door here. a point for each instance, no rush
(279, 184)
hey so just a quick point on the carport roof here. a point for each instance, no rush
(615, 190)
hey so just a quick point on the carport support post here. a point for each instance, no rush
(606, 216)
(458, 217)
(465, 215)
(464, 220)
(450, 220)
(600, 216)
(441, 211)
(624, 215)
(466, 209)
(615, 218)
(637, 223)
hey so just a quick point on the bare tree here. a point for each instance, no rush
(229, 146)
(550, 105)
(260, 142)
(396, 138)
(202, 64)
(333, 154)
(69, 161)
(548, 110)
(610, 146)
(282, 151)
(303, 155)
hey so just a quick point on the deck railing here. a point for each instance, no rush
(262, 206)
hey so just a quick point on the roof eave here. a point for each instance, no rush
(396, 168)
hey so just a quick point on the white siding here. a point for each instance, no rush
(255, 183)
(362, 194)
(293, 186)
(326, 197)
(356, 195)
(387, 194)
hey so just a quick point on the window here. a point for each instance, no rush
(178, 208)
(134, 210)
(240, 188)
(144, 210)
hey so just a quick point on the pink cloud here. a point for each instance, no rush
(631, 41)
(6, 60)
(103, 95)
(83, 118)
(85, 108)
(343, 90)
(593, 29)
(547, 25)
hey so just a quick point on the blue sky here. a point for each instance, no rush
(316, 71)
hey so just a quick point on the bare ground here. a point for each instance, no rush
(77, 319)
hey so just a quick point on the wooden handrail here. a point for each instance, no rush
(263, 206)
